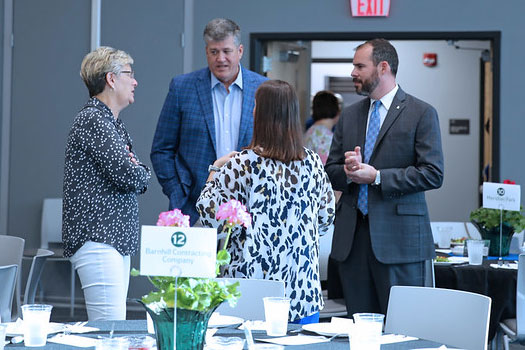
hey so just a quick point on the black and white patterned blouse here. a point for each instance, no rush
(101, 183)
(290, 204)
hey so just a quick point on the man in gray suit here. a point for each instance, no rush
(384, 156)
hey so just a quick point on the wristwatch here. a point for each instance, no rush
(377, 181)
(213, 168)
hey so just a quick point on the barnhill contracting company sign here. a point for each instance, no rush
(370, 8)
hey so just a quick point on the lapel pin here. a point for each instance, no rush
(397, 107)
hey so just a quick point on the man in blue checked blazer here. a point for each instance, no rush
(385, 153)
(207, 114)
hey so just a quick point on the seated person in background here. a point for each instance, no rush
(286, 190)
(325, 113)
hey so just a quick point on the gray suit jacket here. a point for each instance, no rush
(408, 153)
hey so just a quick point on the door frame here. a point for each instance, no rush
(257, 41)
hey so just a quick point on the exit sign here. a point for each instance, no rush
(370, 8)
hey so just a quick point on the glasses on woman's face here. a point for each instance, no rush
(130, 72)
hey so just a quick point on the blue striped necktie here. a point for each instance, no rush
(371, 137)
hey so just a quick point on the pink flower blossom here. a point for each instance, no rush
(173, 218)
(235, 212)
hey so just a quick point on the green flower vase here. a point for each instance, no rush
(191, 328)
(492, 234)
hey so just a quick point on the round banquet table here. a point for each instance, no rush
(497, 283)
(138, 327)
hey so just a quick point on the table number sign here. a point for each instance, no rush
(501, 196)
(178, 251)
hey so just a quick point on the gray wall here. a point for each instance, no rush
(1, 67)
(51, 38)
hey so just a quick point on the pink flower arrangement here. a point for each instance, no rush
(173, 218)
(235, 212)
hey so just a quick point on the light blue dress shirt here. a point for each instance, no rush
(227, 109)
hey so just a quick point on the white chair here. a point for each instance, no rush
(514, 328)
(456, 229)
(11, 252)
(332, 307)
(7, 290)
(325, 246)
(33, 279)
(452, 317)
(250, 305)
(51, 238)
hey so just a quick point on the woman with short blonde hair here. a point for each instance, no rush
(102, 179)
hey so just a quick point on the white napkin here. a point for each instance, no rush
(73, 340)
(296, 340)
(512, 266)
(395, 338)
(256, 325)
(17, 328)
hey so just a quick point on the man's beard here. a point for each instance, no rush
(368, 86)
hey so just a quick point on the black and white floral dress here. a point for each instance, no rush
(291, 204)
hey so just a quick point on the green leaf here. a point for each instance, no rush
(223, 257)
(490, 218)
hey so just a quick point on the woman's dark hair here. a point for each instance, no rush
(277, 131)
(324, 105)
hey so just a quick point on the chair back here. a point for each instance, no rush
(7, 290)
(325, 246)
(37, 266)
(51, 224)
(250, 305)
(520, 299)
(456, 229)
(452, 317)
(11, 253)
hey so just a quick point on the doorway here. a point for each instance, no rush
(462, 87)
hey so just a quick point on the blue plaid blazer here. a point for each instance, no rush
(184, 142)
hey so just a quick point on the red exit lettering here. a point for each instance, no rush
(370, 8)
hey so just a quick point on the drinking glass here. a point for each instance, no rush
(276, 315)
(36, 323)
(475, 249)
(366, 334)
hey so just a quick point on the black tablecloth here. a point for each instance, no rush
(499, 284)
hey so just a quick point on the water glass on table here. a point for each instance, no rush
(444, 236)
(475, 249)
(276, 314)
(36, 323)
(112, 344)
(366, 333)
